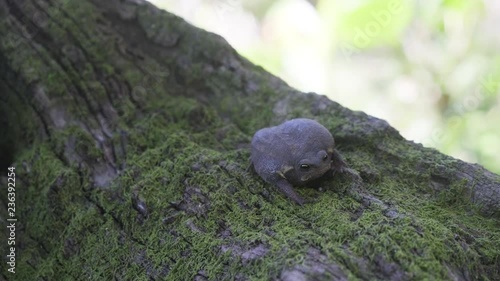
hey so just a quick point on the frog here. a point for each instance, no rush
(295, 153)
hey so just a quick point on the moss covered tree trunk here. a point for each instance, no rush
(129, 131)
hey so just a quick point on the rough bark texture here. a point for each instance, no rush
(130, 129)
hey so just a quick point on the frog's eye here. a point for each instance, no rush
(304, 167)
(325, 157)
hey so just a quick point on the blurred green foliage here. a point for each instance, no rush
(431, 68)
(367, 24)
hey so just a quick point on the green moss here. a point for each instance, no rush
(174, 163)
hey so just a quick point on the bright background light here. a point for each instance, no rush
(430, 68)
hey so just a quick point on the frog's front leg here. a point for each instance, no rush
(287, 189)
(340, 166)
(338, 163)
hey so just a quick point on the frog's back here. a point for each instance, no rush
(305, 134)
(269, 152)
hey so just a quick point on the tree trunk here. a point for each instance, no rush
(129, 132)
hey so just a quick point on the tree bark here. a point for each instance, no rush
(129, 131)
